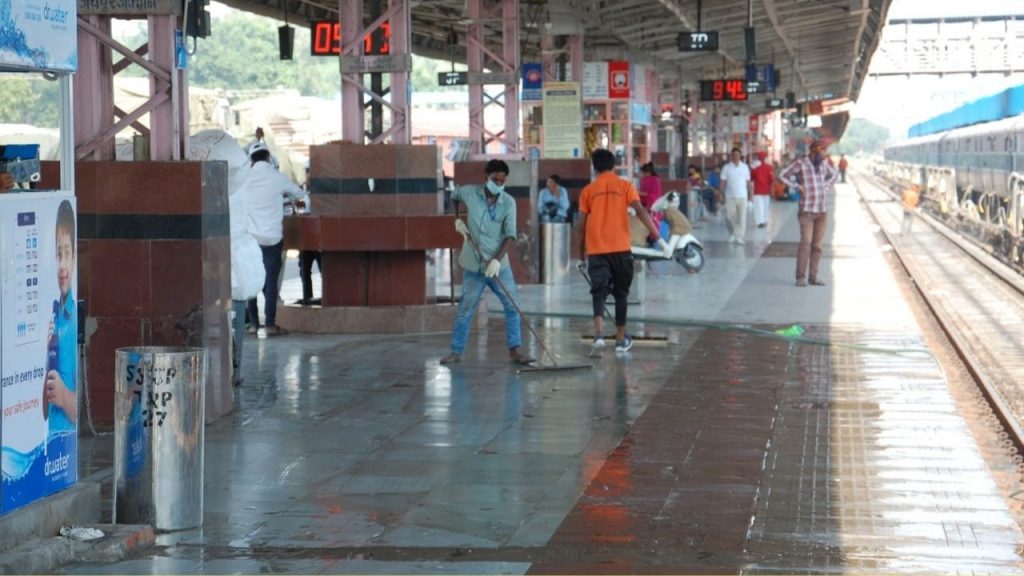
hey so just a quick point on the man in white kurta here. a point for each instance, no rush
(737, 189)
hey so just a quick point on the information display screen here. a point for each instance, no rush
(698, 41)
(325, 39)
(729, 90)
(452, 78)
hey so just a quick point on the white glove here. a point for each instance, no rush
(460, 227)
(493, 268)
(663, 246)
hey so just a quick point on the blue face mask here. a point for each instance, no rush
(494, 188)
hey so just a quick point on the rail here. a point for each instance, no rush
(1000, 407)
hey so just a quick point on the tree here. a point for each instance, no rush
(29, 100)
(863, 136)
(241, 53)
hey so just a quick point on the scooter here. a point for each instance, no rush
(681, 246)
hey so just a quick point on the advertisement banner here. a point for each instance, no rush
(563, 120)
(618, 79)
(38, 347)
(595, 80)
(39, 35)
(533, 81)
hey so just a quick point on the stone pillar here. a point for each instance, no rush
(154, 258)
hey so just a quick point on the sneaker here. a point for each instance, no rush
(732, 239)
(741, 241)
(598, 344)
(624, 345)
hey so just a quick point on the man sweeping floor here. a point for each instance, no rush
(487, 238)
(606, 244)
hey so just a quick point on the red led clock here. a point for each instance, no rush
(325, 36)
(728, 90)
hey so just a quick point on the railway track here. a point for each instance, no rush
(976, 299)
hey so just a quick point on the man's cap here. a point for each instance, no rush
(257, 147)
(761, 154)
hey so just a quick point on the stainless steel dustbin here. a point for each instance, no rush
(554, 258)
(158, 436)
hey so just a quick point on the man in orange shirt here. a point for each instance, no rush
(605, 246)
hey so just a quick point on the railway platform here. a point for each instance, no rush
(724, 448)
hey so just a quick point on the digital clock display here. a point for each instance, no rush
(732, 90)
(325, 39)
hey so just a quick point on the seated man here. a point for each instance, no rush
(679, 227)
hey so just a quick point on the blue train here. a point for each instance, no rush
(970, 165)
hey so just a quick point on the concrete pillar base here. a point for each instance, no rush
(415, 319)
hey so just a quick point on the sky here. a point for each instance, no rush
(899, 102)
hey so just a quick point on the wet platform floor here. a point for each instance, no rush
(729, 449)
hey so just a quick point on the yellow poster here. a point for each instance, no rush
(563, 120)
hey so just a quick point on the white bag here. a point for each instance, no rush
(247, 273)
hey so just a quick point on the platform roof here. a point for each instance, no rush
(821, 47)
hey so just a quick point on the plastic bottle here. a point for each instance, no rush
(51, 358)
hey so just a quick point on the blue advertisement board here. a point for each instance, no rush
(39, 35)
(38, 346)
(533, 81)
(763, 73)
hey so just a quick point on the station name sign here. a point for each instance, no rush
(130, 7)
(452, 78)
(706, 41)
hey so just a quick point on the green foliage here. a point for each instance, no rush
(241, 54)
(424, 75)
(863, 136)
(29, 99)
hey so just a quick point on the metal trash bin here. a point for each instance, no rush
(554, 254)
(159, 411)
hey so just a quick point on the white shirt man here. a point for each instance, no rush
(738, 189)
(266, 191)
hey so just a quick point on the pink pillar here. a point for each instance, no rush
(475, 63)
(401, 43)
(478, 58)
(350, 13)
(94, 90)
(510, 30)
(168, 130)
(576, 57)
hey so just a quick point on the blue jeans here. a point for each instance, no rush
(473, 284)
(272, 265)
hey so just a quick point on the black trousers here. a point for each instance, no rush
(306, 260)
(611, 274)
(272, 266)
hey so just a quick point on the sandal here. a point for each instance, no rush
(452, 358)
(276, 330)
(521, 359)
(817, 282)
(801, 283)
(252, 329)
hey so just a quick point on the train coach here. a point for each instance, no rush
(970, 165)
